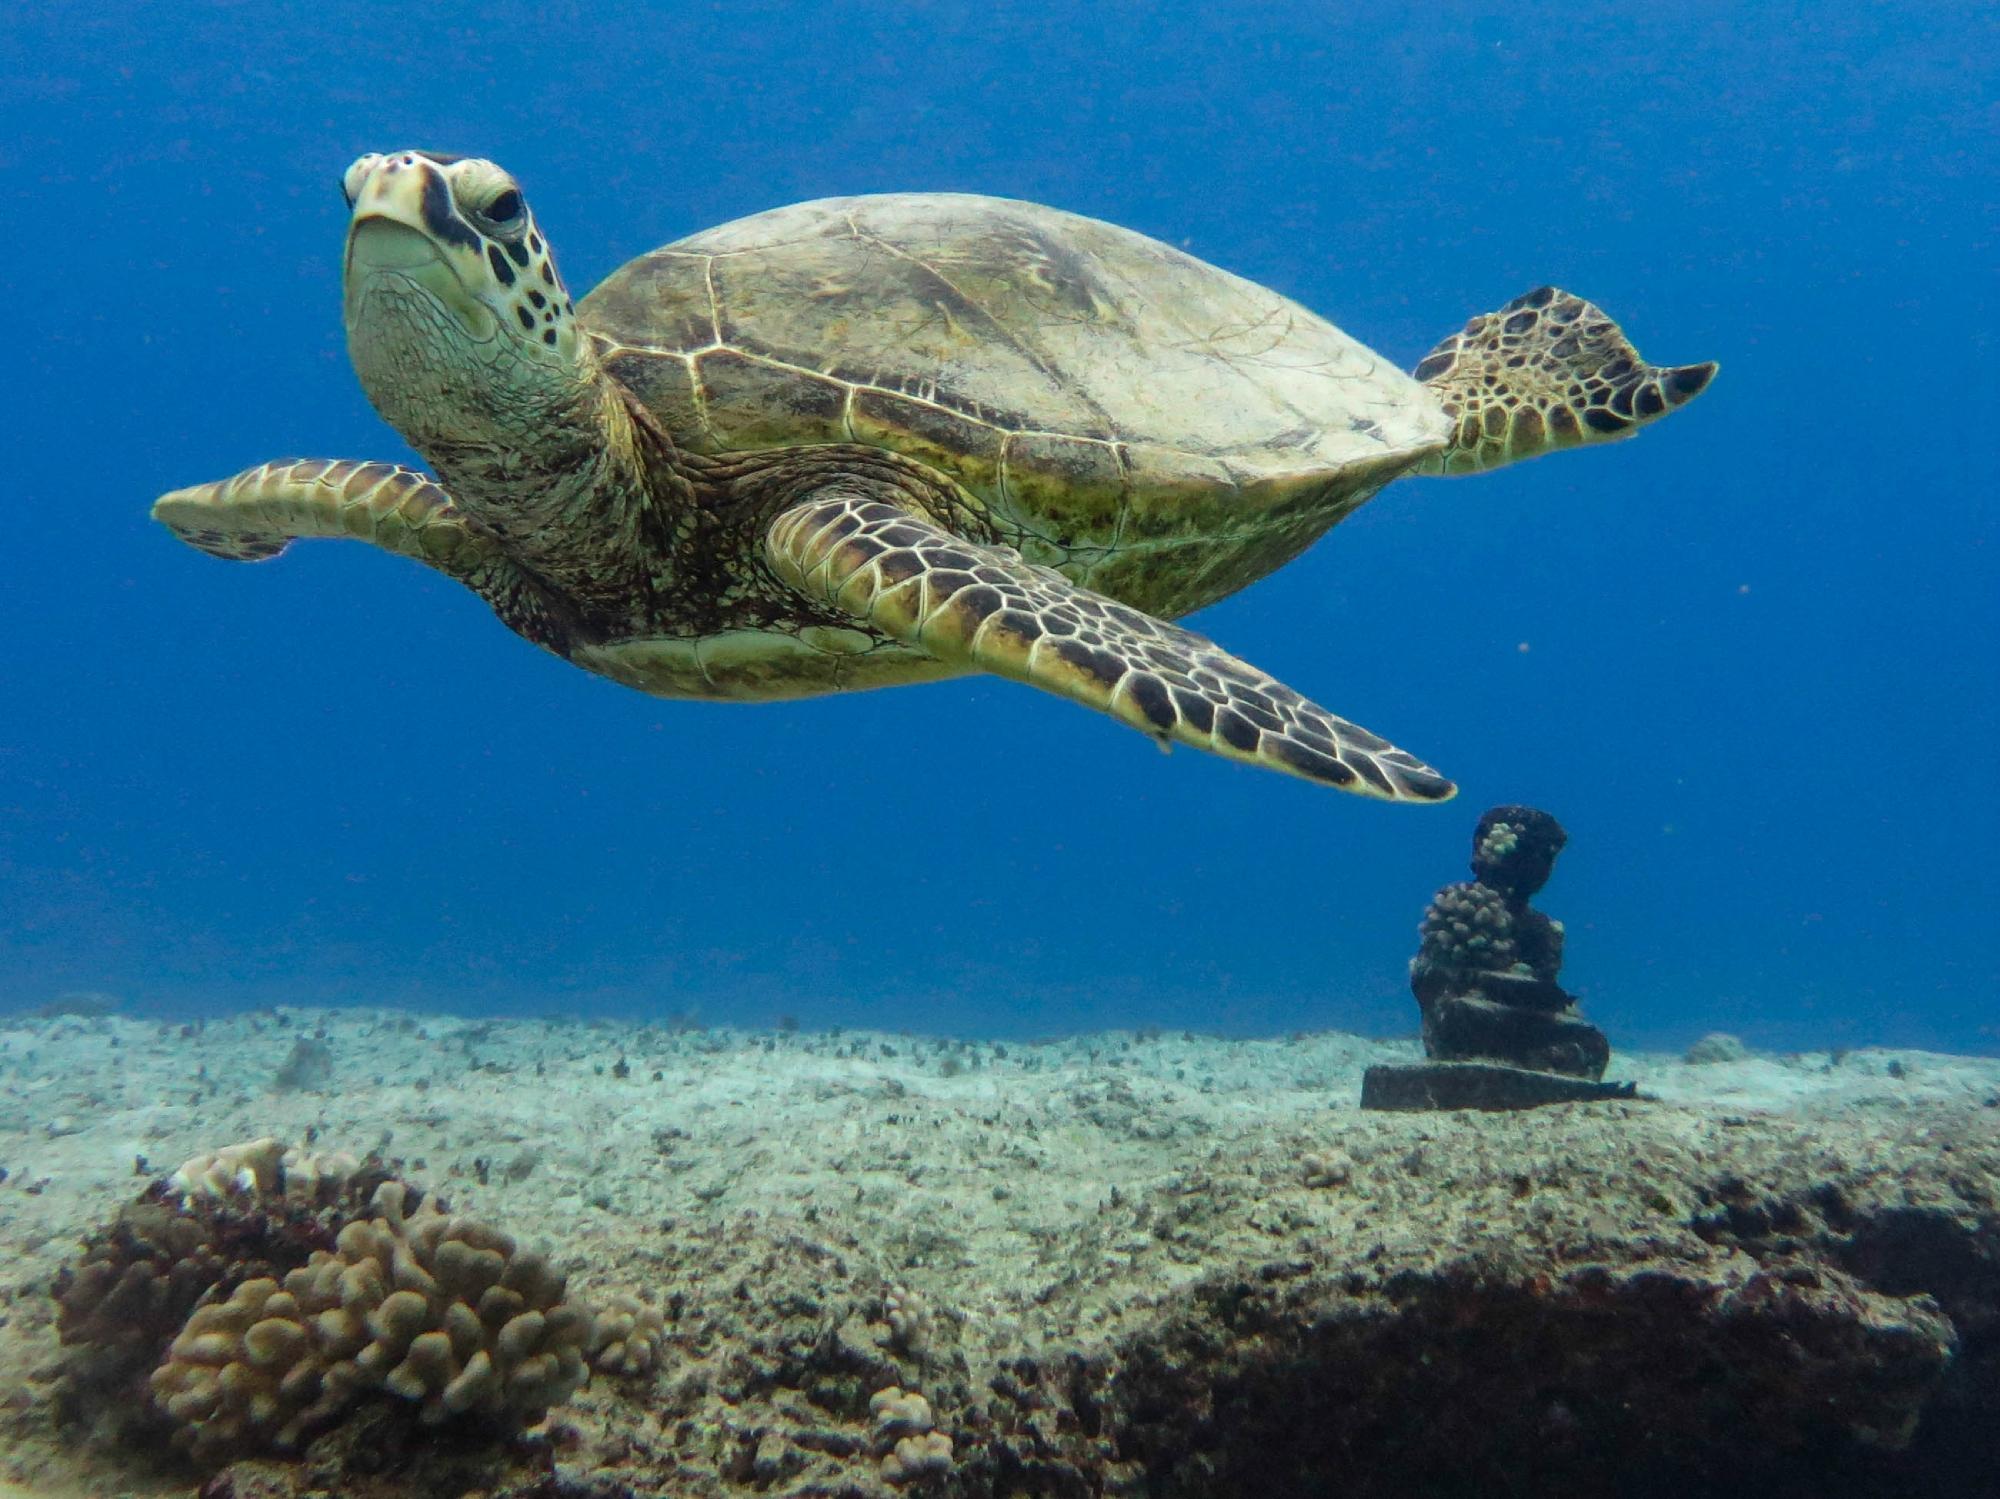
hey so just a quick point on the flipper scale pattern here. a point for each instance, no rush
(985, 606)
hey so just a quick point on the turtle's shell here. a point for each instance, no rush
(1163, 430)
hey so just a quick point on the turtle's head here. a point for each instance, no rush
(457, 322)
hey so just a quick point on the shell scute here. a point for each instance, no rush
(665, 385)
(947, 440)
(748, 402)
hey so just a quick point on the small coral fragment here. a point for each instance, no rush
(251, 1167)
(1325, 1170)
(909, 1319)
(898, 1410)
(916, 1456)
(629, 1337)
(903, 1427)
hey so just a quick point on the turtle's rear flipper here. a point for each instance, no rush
(255, 515)
(1546, 371)
(986, 606)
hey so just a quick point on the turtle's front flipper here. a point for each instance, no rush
(1546, 371)
(256, 514)
(985, 606)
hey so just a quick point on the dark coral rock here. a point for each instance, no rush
(1464, 1382)
(308, 1067)
(133, 1286)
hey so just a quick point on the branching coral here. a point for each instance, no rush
(1468, 926)
(223, 1218)
(436, 1309)
(266, 1290)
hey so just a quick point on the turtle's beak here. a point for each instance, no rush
(356, 176)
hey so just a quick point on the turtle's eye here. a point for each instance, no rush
(503, 211)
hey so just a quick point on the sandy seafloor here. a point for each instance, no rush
(1072, 1195)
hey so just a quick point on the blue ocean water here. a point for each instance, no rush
(1747, 658)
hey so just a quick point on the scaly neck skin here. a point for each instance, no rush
(580, 495)
(539, 446)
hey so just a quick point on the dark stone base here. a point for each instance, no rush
(1467, 1028)
(1478, 1085)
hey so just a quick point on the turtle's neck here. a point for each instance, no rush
(585, 489)
(540, 446)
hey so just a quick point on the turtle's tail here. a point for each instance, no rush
(1547, 371)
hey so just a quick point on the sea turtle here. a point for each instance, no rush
(876, 440)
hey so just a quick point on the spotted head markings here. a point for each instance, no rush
(475, 213)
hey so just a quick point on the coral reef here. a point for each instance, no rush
(1576, 1382)
(256, 1294)
(788, 1376)
(81, 1004)
(1749, 1313)
(251, 1167)
(917, 1456)
(908, 1319)
(438, 1310)
(1072, 1271)
(132, 1287)
(265, 1169)
(223, 1218)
